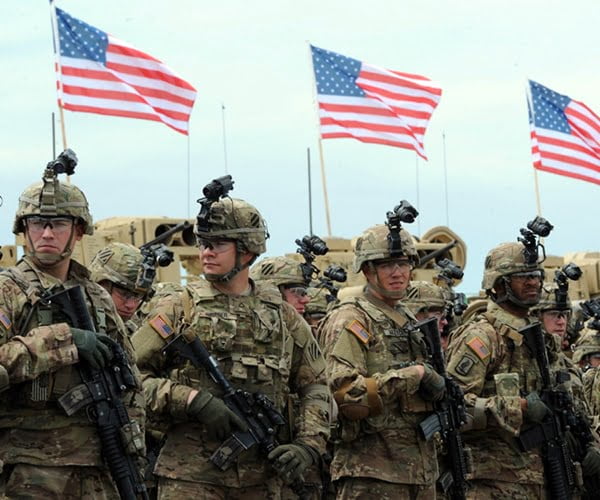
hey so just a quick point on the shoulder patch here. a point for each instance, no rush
(479, 348)
(5, 320)
(161, 326)
(464, 366)
(359, 331)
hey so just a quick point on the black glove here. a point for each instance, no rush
(433, 385)
(536, 409)
(215, 415)
(94, 348)
(291, 460)
(591, 462)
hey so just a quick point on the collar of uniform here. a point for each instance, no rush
(506, 318)
(76, 272)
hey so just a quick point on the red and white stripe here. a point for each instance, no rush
(132, 84)
(395, 111)
(575, 155)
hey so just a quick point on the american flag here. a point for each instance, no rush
(372, 104)
(565, 135)
(101, 74)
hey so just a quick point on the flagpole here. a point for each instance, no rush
(188, 173)
(224, 137)
(445, 177)
(321, 156)
(536, 183)
(310, 218)
(56, 45)
(418, 191)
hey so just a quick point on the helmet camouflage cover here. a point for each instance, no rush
(235, 219)
(422, 295)
(119, 263)
(318, 304)
(53, 198)
(373, 245)
(548, 301)
(504, 260)
(278, 271)
(588, 343)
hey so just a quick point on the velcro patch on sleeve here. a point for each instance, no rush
(162, 327)
(5, 320)
(464, 365)
(359, 331)
(479, 348)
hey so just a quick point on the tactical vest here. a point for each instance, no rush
(247, 335)
(38, 312)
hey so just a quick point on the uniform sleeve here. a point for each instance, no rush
(347, 368)
(43, 349)
(308, 381)
(470, 357)
(162, 395)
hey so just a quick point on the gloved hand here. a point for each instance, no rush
(433, 385)
(218, 419)
(291, 460)
(536, 409)
(93, 348)
(591, 462)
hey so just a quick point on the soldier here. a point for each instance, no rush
(427, 300)
(262, 344)
(379, 379)
(587, 354)
(117, 268)
(46, 453)
(500, 378)
(287, 275)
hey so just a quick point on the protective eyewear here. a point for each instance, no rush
(556, 314)
(298, 291)
(56, 224)
(126, 295)
(389, 265)
(526, 276)
(216, 246)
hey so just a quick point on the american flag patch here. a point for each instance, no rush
(5, 320)
(479, 348)
(359, 331)
(161, 326)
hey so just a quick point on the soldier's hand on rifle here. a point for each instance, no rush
(291, 460)
(218, 419)
(93, 348)
(591, 462)
(535, 409)
(433, 385)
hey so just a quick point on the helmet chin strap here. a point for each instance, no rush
(44, 259)
(509, 296)
(228, 276)
(389, 294)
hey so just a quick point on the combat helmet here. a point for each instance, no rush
(373, 244)
(52, 198)
(222, 217)
(279, 271)
(588, 343)
(550, 302)
(121, 264)
(319, 303)
(423, 295)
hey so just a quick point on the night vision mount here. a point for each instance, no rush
(404, 212)
(216, 189)
(561, 277)
(536, 228)
(309, 247)
(331, 274)
(591, 309)
(65, 163)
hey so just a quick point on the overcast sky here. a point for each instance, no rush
(253, 58)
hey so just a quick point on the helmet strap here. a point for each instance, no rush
(239, 266)
(376, 285)
(44, 259)
(509, 296)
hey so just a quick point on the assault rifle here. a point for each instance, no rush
(448, 416)
(551, 435)
(255, 409)
(101, 393)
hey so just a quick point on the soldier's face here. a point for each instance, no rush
(296, 296)
(393, 274)
(439, 315)
(125, 301)
(527, 287)
(556, 322)
(50, 237)
(218, 257)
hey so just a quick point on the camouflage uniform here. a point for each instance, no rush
(261, 344)
(371, 352)
(46, 453)
(589, 343)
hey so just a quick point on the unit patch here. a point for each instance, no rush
(5, 320)
(359, 331)
(161, 326)
(479, 348)
(464, 366)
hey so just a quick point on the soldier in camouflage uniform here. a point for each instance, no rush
(287, 275)
(117, 268)
(261, 344)
(427, 300)
(46, 453)
(587, 355)
(490, 361)
(379, 379)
